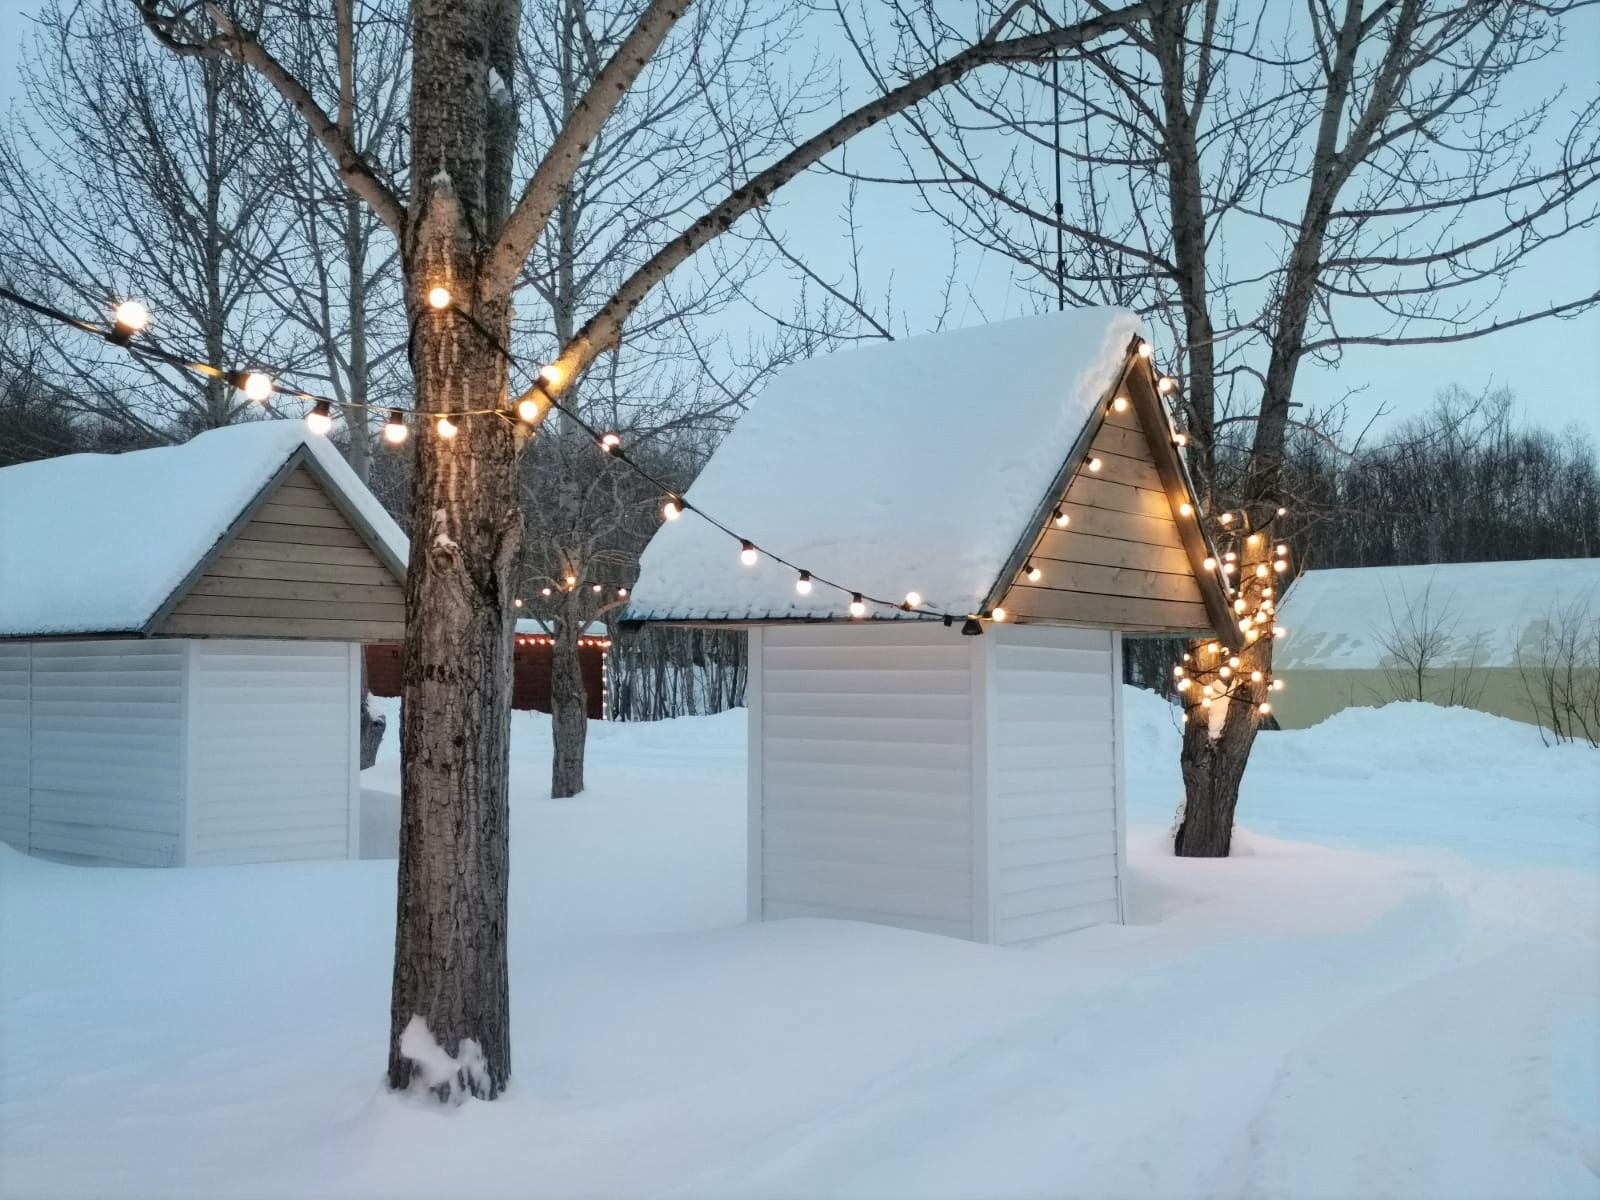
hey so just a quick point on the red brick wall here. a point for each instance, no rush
(530, 680)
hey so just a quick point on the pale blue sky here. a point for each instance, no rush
(1553, 366)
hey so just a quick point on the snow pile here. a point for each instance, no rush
(1480, 614)
(96, 543)
(910, 465)
(1299, 1020)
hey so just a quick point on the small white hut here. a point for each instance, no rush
(1025, 473)
(180, 640)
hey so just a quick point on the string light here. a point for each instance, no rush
(672, 509)
(129, 318)
(1210, 563)
(1226, 518)
(1095, 464)
(913, 599)
(803, 584)
(1146, 350)
(1185, 509)
(1255, 676)
(1166, 385)
(1033, 573)
(439, 297)
(517, 603)
(1180, 440)
(446, 427)
(1264, 708)
(395, 429)
(1120, 404)
(1062, 519)
(544, 591)
(610, 442)
(551, 374)
(530, 408)
(597, 588)
(320, 419)
(256, 386)
(997, 614)
(858, 606)
(747, 554)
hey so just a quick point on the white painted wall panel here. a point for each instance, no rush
(105, 759)
(1053, 745)
(863, 775)
(14, 688)
(271, 754)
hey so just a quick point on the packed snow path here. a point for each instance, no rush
(1394, 989)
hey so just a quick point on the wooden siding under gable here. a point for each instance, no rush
(297, 569)
(1121, 562)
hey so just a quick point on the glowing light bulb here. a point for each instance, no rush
(517, 602)
(1210, 564)
(609, 442)
(1255, 676)
(596, 589)
(1277, 685)
(858, 606)
(544, 591)
(1184, 684)
(1185, 509)
(1280, 566)
(1095, 464)
(1261, 570)
(1120, 404)
(395, 429)
(1146, 350)
(1166, 385)
(1282, 550)
(320, 419)
(1213, 648)
(1225, 671)
(447, 428)
(747, 554)
(1180, 440)
(128, 319)
(552, 374)
(1227, 568)
(1234, 661)
(1062, 519)
(1283, 512)
(572, 580)
(1253, 540)
(257, 387)
(1177, 672)
(1226, 518)
(1263, 708)
(1238, 607)
(1206, 702)
(998, 614)
(1279, 631)
(803, 584)
(672, 509)
(439, 297)
(529, 408)
(913, 599)
(1033, 573)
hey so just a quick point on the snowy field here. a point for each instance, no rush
(1393, 990)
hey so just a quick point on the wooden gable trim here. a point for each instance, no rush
(1052, 497)
(246, 515)
(1152, 413)
(1136, 379)
(301, 457)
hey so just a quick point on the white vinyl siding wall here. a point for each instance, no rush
(1054, 750)
(14, 688)
(105, 751)
(863, 775)
(273, 771)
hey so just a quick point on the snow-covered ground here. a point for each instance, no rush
(1394, 989)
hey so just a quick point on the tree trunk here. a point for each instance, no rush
(569, 709)
(1213, 768)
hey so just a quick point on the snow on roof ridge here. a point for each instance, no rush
(95, 543)
(906, 465)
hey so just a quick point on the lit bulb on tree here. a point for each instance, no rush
(129, 318)
(529, 408)
(394, 429)
(257, 387)
(447, 428)
(1166, 385)
(439, 297)
(609, 442)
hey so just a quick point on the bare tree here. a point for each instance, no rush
(1353, 175)
(466, 231)
(1560, 672)
(1425, 657)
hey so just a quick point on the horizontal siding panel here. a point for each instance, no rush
(777, 910)
(69, 841)
(240, 567)
(353, 555)
(1045, 794)
(1066, 849)
(900, 731)
(824, 704)
(1118, 439)
(913, 780)
(867, 827)
(1030, 725)
(878, 754)
(1113, 612)
(885, 900)
(863, 682)
(1031, 668)
(1126, 469)
(786, 794)
(785, 873)
(856, 634)
(1128, 527)
(829, 847)
(276, 512)
(1056, 825)
(1117, 581)
(1029, 901)
(359, 595)
(1093, 492)
(309, 535)
(124, 810)
(1037, 926)
(910, 660)
(196, 604)
(272, 827)
(1059, 873)
(278, 627)
(1071, 546)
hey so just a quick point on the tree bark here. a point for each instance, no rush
(569, 711)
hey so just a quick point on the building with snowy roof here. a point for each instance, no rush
(180, 638)
(1021, 481)
(1509, 638)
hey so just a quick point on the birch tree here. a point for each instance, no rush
(1273, 185)
(464, 227)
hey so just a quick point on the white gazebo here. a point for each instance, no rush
(180, 649)
(1025, 475)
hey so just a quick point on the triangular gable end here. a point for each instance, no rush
(1126, 559)
(298, 563)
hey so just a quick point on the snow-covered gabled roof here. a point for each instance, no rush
(98, 543)
(915, 465)
(1347, 618)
